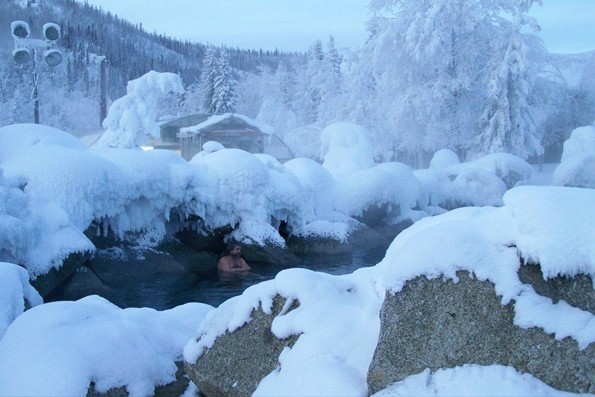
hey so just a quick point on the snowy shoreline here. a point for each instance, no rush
(54, 187)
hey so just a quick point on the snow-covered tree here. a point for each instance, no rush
(133, 116)
(422, 71)
(192, 102)
(508, 123)
(207, 80)
(224, 86)
(330, 89)
(276, 109)
(309, 84)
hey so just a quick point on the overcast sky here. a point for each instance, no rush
(568, 26)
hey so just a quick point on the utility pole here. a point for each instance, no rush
(102, 91)
(27, 49)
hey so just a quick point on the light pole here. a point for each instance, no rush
(25, 51)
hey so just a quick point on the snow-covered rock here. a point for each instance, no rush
(509, 168)
(443, 158)
(16, 294)
(577, 166)
(61, 348)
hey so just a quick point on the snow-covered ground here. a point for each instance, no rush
(52, 188)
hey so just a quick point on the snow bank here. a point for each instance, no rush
(472, 381)
(304, 142)
(17, 137)
(451, 184)
(577, 166)
(58, 349)
(240, 186)
(34, 231)
(54, 188)
(393, 184)
(65, 188)
(555, 228)
(15, 291)
(286, 201)
(323, 216)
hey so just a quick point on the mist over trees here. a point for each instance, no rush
(470, 76)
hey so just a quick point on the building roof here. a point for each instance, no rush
(227, 121)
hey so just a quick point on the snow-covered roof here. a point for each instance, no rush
(219, 118)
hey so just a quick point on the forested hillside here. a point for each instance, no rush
(88, 34)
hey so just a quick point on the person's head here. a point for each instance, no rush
(234, 249)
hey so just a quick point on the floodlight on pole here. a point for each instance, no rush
(20, 30)
(51, 31)
(25, 51)
(21, 55)
(52, 57)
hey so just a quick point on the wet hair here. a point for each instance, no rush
(231, 246)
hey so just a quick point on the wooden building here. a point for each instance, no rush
(232, 130)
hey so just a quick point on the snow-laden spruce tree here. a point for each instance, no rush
(207, 80)
(309, 83)
(192, 99)
(224, 86)
(330, 88)
(276, 108)
(507, 123)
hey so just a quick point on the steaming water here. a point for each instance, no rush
(133, 277)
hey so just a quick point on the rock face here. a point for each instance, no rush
(46, 283)
(439, 324)
(238, 361)
(577, 291)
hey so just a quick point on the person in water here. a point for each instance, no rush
(233, 262)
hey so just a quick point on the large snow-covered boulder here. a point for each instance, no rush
(313, 333)
(254, 345)
(456, 292)
(577, 166)
(436, 323)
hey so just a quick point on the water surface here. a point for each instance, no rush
(163, 279)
